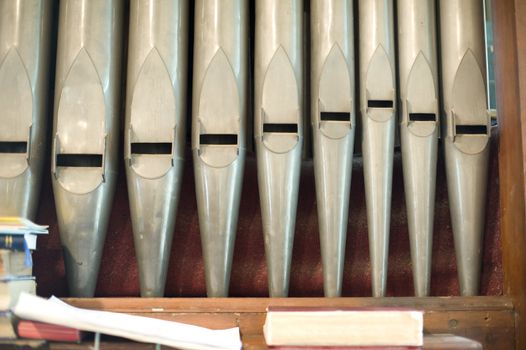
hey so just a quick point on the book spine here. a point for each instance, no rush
(15, 243)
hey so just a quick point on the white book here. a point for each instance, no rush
(343, 327)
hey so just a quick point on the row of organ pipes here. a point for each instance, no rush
(86, 126)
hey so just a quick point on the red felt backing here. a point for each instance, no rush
(118, 274)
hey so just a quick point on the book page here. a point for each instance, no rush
(137, 328)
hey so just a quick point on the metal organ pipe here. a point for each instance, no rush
(467, 131)
(155, 131)
(85, 133)
(333, 128)
(25, 33)
(278, 129)
(419, 128)
(378, 111)
(218, 130)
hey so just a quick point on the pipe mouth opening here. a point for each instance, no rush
(218, 139)
(335, 116)
(16, 147)
(151, 148)
(471, 129)
(280, 128)
(380, 104)
(79, 160)
(422, 117)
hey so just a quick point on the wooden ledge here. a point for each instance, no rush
(488, 320)
(259, 305)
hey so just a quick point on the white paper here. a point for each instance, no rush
(137, 328)
(20, 226)
(31, 241)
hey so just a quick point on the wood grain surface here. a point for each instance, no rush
(488, 320)
(510, 69)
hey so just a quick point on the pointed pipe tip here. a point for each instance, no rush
(77, 289)
(379, 284)
(421, 291)
(378, 294)
(469, 292)
(80, 293)
(279, 283)
(469, 280)
(81, 275)
(81, 290)
(279, 258)
(282, 292)
(217, 292)
(334, 292)
(152, 293)
(332, 267)
(217, 284)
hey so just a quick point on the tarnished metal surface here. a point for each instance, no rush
(155, 131)
(419, 128)
(333, 127)
(467, 131)
(85, 132)
(218, 130)
(25, 33)
(278, 129)
(378, 111)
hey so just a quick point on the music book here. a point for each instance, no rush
(360, 327)
(46, 331)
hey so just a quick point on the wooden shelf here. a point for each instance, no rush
(489, 320)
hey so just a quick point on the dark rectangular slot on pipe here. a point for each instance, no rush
(218, 139)
(280, 128)
(380, 104)
(422, 117)
(79, 160)
(472, 129)
(335, 116)
(13, 147)
(151, 148)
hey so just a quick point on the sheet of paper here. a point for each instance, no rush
(137, 328)
(20, 226)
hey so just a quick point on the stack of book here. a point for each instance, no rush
(18, 239)
(356, 328)
(29, 329)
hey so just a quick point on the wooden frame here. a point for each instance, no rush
(498, 322)
(489, 320)
(510, 51)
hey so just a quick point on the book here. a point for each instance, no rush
(342, 347)
(431, 342)
(7, 330)
(359, 327)
(15, 243)
(450, 342)
(137, 328)
(21, 227)
(41, 330)
(13, 263)
(11, 288)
